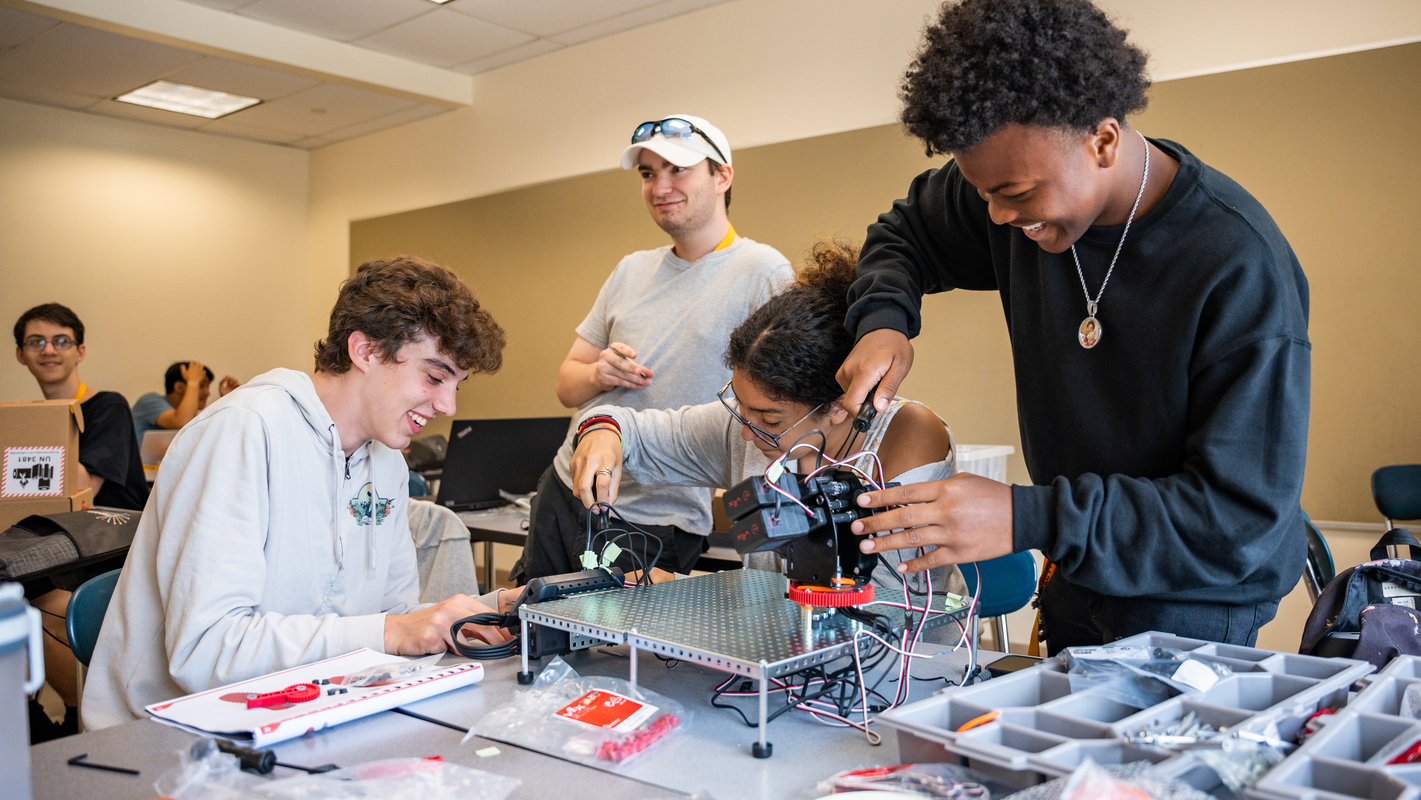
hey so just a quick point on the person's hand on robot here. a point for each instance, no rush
(616, 366)
(966, 517)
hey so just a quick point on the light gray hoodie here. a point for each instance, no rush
(262, 547)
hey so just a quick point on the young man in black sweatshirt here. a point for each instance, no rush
(1158, 322)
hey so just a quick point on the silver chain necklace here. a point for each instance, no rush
(1091, 330)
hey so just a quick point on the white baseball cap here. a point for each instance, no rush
(683, 152)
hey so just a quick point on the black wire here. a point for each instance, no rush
(488, 652)
(848, 445)
(823, 445)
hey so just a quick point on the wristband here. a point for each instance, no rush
(576, 440)
(599, 419)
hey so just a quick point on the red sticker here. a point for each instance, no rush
(602, 709)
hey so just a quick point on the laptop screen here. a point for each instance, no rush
(486, 455)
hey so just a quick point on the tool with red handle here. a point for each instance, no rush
(296, 693)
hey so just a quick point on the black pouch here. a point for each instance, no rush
(42, 543)
(1369, 612)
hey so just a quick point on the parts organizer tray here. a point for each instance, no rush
(737, 621)
(1045, 730)
(1332, 764)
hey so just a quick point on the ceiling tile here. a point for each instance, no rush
(533, 49)
(237, 78)
(47, 97)
(113, 108)
(17, 26)
(85, 61)
(546, 17)
(384, 123)
(225, 5)
(343, 20)
(634, 19)
(319, 110)
(226, 127)
(443, 38)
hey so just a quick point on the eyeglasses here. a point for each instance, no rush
(36, 344)
(673, 128)
(772, 439)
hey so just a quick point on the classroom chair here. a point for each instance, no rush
(1320, 569)
(1008, 583)
(85, 614)
(1397, 492)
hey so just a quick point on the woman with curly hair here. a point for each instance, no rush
(782, 392)
(1158, 324)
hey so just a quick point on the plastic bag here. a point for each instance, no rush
(1090, 782)
(916, 780)
(1411, 702)
(403, 669)
(205, 773)
(598, 721)
(1141, 676)
(1239, 763)
(395, 779)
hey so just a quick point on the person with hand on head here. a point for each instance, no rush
(280, 536)
(653, 337)
(1158, 324)
(187, 385)
(49, 342)
(782, 399)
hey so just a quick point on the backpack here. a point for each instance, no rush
(1369, 612)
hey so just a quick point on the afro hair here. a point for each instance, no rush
(987, 64)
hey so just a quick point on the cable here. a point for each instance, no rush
(485, 652)
(409, 713)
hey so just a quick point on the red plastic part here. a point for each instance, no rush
(296, 693)
(825, 597)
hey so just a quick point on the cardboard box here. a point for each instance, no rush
(39, 450)
(12, 511)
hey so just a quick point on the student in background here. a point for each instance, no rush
(187, 384)
(49, 342)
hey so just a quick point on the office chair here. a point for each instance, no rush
(85, 615)
(1320, 569)
(1007, 585)
(1397, 492)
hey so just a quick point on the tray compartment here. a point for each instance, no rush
(1256, 692)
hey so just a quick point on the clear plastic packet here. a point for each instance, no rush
(395, 779)
(205, 773)
(1140, 676)
(1411, 702)
(599, 721)
(916, 780)
(1239, 763)
(1090, 782)
(403, 669)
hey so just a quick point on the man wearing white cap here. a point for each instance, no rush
(654, 339)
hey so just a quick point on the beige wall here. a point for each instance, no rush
(766, 71)
(1292, 134)
(167, 244)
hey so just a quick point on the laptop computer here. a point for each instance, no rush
(155, 445)
(486, 455)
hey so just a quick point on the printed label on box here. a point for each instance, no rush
(33, 472)
(602, 709)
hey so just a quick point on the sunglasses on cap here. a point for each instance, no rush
(673, 128)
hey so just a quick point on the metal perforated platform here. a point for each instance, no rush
(737, 621)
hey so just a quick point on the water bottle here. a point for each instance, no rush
(21, 675)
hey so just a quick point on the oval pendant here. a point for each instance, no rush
(1089, 333)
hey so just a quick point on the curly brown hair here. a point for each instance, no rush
(987, 64)
(396, 301)
(791, 347)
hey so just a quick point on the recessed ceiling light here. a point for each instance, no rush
(187, 99)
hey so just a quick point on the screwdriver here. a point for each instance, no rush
(262, 762)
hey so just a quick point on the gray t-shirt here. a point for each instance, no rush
(679, 316)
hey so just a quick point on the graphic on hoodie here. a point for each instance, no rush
(368, 503)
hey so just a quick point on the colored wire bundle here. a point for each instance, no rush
(644, 560)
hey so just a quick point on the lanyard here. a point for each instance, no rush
(83, 390)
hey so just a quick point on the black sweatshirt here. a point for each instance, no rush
(1168, 460)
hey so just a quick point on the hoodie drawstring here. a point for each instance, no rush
(335, 518)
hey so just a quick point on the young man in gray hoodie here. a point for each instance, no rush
(277, 534)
